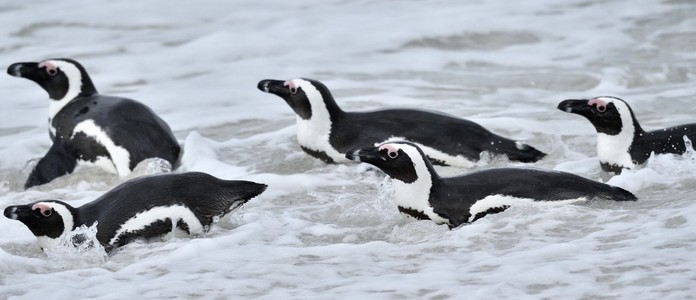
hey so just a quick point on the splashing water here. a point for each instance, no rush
(80, 247)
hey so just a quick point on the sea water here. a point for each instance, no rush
(333, 231)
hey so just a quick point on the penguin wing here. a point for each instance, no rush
(57, 162)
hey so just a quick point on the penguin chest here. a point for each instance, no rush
(313, 137)
(614, 149)
(155, 222)
(413, 200)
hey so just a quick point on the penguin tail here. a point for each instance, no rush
(524, 153)
(245, 190)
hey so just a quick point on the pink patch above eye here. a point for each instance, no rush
(600, 104)
(45, 209)
(391, 150)
(50, 68)
(291, 85)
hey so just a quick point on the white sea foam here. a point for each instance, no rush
(333, 231)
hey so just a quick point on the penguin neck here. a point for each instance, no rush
(79, 85)
(335, 112)
(315, 132)
(416, 195)
(614, 150)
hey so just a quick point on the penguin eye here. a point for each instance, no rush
(392, 154)
(46, 212)
(293, 90)
(601, 108)
(51, 72)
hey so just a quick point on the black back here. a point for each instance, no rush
(662, 141)
(205, 195)
(129, 123)
(452, 197)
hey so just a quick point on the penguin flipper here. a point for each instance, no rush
(524, 153)
(57, 162)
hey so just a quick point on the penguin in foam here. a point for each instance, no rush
(328, 133)
(621, 141)
(140, 208)
(421, 193)
(86, 127)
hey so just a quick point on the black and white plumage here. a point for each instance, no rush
(141, 208)
(328, 133)
(86, 127)
(621, 141)
(421, 193)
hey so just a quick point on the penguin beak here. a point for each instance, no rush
(579, 106)
(366, 154)
(275, 87)
(29, 70)
(20, 212)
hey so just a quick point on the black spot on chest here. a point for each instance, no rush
(318, 154)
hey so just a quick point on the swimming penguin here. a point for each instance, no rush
(419, 191)
(328, 133)
(621, 141)
(85, 127)
(141, 208)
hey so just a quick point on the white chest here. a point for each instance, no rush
(414, 196)
(613, 149)
(314, 134)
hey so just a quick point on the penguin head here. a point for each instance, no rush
(305, 96)
(48, 220)
(609, 115)
(402, 161)
(62, 78)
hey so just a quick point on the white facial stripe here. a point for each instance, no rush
(74, 85)
(314, 133)
(613, 149)
(499, 201)
(415, 195)
(146, 218)
(119, 155)
(68, 223)
(455, 161)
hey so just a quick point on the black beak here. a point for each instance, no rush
(276, 87)
(365, 154)
(23, 69)
(579, 106)
(19, 212)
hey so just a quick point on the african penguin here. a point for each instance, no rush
(86, 127)
(621, 141)
(328, 133)
(419, 191)
(141, 208)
